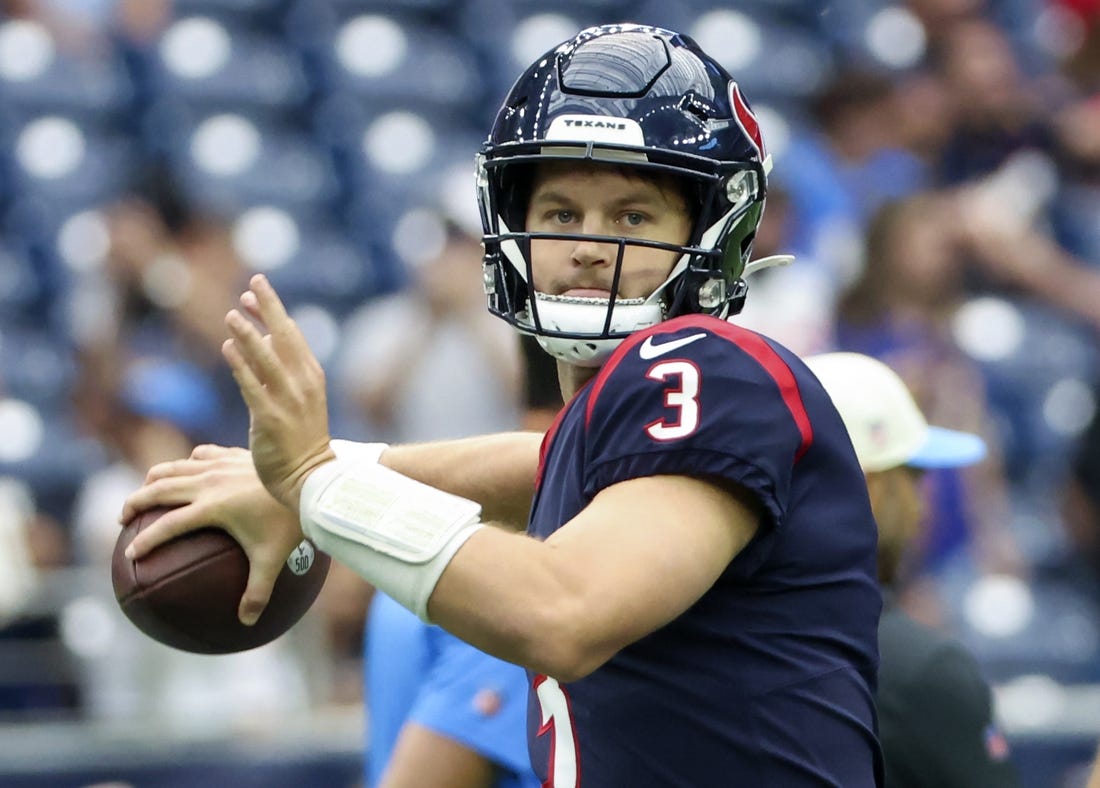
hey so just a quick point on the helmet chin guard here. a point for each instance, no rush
(566, 321)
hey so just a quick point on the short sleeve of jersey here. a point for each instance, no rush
(697, 397)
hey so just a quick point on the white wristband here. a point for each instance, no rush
(354, 450)
(394, 531)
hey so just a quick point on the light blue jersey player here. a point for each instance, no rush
(421, 674)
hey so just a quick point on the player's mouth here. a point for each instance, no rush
(587, 292)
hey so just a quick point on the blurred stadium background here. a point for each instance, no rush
(154, 152)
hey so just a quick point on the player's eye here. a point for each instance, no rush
(564, 216)
(633, 219)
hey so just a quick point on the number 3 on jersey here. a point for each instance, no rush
(682, 394)
(557, 721)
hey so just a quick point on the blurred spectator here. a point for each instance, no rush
(157, 408)
(435, 699)
(926, 116)
(997, 110)
(1076, 211)
(900, 310)
(426, 360)
(169, 276)
(430, 361)
(998, 236)
(846, 165)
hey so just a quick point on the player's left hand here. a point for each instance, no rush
(218, 486)
(283, 385)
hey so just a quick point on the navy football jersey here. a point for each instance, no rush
(768, 680)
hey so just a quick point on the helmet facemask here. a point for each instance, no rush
(706, 277)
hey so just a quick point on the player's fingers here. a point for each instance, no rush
(170, 469)
(252, 390)
(171, 491)
(212, 451)
(261, 581)
(166, 527)
(268, 304)
(257, 353)
(264, 304)
(251, 305)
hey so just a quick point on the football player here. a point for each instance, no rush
(694, 596)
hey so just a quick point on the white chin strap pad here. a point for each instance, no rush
(393, 531)
(587, 316)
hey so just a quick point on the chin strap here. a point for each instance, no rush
(772, 261)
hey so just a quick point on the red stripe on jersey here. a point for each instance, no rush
(746, 118)
(756, 346)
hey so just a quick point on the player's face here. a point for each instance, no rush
(602, 200)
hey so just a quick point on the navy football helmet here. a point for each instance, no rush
(635, 96)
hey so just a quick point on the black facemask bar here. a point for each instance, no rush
(495, 256)
(509, 295)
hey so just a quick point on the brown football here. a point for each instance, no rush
(185, 593)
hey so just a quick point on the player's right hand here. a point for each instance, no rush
(283, 385)
(218, 486)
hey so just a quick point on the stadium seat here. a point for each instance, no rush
(388, 6)
(310, 260)
(1059, 638)
(525, 30)
(400, 156)
(249, 14)
(774, 60)
(1039, 392)
(394, 59)
(38, 77)
(226, 161)
(58, 159)
(46, 242)
(22, 292)
(36, 366)
(205, 64)
(431, 12)
(772, 53)
(586, 12)
(45, 449)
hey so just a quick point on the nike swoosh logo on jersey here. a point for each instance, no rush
(648, 350)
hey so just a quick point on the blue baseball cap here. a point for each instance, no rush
(177, 392)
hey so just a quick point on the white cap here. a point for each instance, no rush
(886, 426)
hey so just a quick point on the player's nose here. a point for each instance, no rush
(592, 253)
